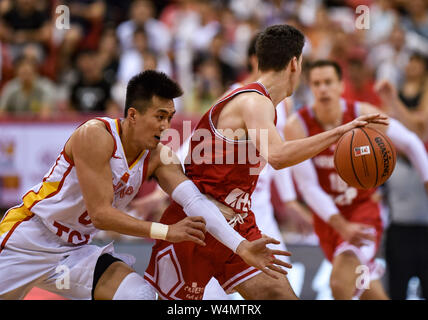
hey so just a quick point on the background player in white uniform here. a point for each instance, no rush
(96, 175)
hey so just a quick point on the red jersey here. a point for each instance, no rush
(225, 169)
(343, 195)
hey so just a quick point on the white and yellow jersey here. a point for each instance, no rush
(58, 199)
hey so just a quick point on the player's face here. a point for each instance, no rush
(325, 85)
(150, 125)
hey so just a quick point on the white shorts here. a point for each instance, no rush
(31, 255)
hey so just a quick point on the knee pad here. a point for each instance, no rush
(134, 287)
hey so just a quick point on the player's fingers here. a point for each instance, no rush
(282, 263)
(194, 239)
(197, 219)
(277, 269)
(267, 240)
(198, 225)
(367, 236)
(196, 233)
(269, 272)
(280, 252)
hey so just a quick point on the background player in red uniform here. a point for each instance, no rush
(349, 229)
(240, 122)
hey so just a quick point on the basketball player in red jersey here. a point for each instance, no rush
(224, 162)
(347, 220)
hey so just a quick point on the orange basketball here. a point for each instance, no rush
(364, 158)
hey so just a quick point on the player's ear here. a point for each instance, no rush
(132, 114)
(294, 64)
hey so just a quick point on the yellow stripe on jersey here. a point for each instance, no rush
(13, 216)
(116, 121)
(46, 190)
(137, 160)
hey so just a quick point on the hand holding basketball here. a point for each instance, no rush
(362, 121)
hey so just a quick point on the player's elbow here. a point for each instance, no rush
(97, 220)
(278, 161)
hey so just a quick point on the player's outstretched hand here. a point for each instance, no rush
(188, 229)
(257, 254)
(362, 121)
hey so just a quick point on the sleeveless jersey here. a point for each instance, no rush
(58, 199)
(225, 169)
(343, 195)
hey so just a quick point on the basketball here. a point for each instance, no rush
(364, 158)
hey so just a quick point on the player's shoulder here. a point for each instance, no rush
(91, 136)
(253, 103)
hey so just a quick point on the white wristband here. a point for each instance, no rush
(158, 231)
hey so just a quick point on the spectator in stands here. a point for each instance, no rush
(91, 93)
(359, 82)
(87, 17)
(108, 55)
(28, 94)
(414, 95)
(389, 58)
(132, 60)
(208, 84)
(24, 23)
(142, 16)
(416, 19)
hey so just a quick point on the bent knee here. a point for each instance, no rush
(263, 287)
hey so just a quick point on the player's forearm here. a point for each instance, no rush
(112, 219)
(195, 203)
(292, 152)
(337, 222)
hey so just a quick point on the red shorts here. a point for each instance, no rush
(180, 271)
(367, 212)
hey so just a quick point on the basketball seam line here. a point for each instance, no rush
(352, 162)
(374, 153)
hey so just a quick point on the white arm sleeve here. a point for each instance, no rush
(409, 143)
(284, 184)
(194, 203)
(315, 197)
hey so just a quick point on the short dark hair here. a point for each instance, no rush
(277, 45)
(251, 50)
(143, 86)
(325, 63)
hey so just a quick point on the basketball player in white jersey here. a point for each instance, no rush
(96, 175)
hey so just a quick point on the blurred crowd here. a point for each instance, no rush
(54, 64)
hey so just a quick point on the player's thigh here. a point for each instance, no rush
(344, 271)
(375, 291)
(110, 280)
(263, 287)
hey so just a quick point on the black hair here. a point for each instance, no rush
(143, 86)
(251, 50)
(277, 45)
(326, 63)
